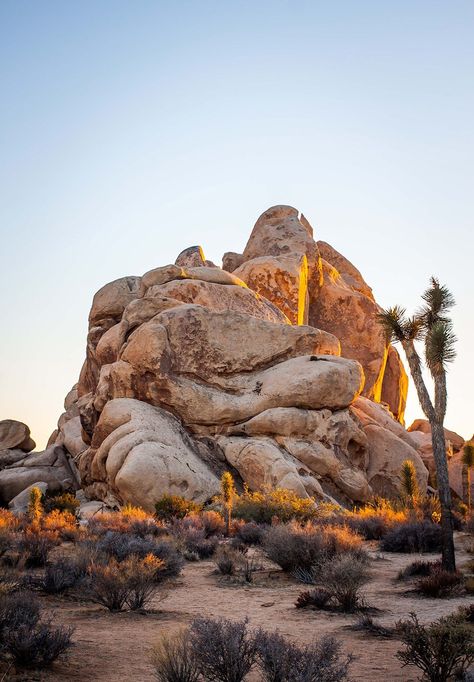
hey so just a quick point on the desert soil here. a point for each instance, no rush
(116, 647)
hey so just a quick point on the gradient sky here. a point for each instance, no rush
(130, 130)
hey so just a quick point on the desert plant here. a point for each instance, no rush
(171, 507)
(277, 503)
(37, 646)
(123, 545)
(61, 574)
(432, 326)
(225, 650)
(108, 585)
(35, 506)
(317, 598)
(17, 609)
(366, 623)
(344, 576)
(438, 649)
(140, 577)
(250, 533)
(64, 502)
(420, 536)
(228, 560)
(173, 659)
(227, 494)
(439, 583)
(293, 547)
(36, 544)
(409, 482)
(282, 661)
(418, 568)
(62, 522)
(467, 465)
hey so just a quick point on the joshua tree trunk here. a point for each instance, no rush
(466, 485)
(439, 454)
(435, 415)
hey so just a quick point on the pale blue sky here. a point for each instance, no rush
(130, 130)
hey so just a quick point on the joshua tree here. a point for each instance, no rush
(434, 328)
(409, 482)
(228, 493)
(467, 464)
(35, 506)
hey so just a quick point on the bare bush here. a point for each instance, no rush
(281, 661)
(38, 646)
(343, 577)
(438, 650)
(36, 544)
(422, 536)
(173, 659)
(318, 598)
(225, 651)
(439, 583)
(418, 568)
(228, 560)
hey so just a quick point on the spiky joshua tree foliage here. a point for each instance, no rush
(433, 328)
(409, 482)
(467, 464)
(228, 494)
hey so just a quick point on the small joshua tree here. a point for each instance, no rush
(35, 506)
(467, 464)
(409, 482)
(228, 494)
(434, 328)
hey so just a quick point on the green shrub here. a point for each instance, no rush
(171, 507)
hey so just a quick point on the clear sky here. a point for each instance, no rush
(130, 130)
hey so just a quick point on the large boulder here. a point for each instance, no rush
(52, 467)
(15, 434)
(192, 369)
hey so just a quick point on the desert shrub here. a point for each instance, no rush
(317, 598)
(173, 659)
(35, 545)
(37, 646)
(18, 609)
(438, 650)
(141, 580)
(133, 581)
(418, 568)
(465, 614)
(249, 568)
(366, 623)
(65, 502)
(374, 522)
(250, 533)
(420, 536)
(344, 576)
(129, 519)
(225, 650)
(293, 547)
(171, 507)
(191, 539)
(108, 585)
(282, 661)
(439, 583)
(123, 545)
(212, 523)
(8, 520)
(281, 504)
(228, 560)
(237, 544)
(61, 522)
(62, 574)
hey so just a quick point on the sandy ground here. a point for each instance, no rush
(115, 647)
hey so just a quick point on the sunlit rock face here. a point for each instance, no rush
(257, 368)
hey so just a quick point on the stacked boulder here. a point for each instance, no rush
(273, 366)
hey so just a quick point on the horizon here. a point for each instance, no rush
(133, 132)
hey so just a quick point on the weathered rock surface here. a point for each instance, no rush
(14, 434)
(19, 470)
(192, 369)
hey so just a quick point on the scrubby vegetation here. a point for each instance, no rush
(128, 560)
(225, 651)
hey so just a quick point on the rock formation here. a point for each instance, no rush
(273, 367)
